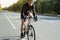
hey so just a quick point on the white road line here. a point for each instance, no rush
(10, 22)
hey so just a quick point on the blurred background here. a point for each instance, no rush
(42, 6)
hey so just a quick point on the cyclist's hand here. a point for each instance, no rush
(35, 18)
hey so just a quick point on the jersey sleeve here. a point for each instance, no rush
(34, 10)
(22, 12)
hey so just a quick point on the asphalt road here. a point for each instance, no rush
(46, 28)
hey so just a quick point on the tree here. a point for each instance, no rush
(0, 7)
(57, 7)
(41, 6)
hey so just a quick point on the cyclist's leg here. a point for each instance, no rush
(31, 15)
(22, 25)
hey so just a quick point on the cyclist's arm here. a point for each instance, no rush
(34, 10)
(22, 12)
(34, 14)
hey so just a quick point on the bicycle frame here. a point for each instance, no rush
(28, 23)
(29, 28)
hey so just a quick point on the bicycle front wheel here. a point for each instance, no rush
(31, 33)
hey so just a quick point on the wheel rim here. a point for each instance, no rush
(31, 34)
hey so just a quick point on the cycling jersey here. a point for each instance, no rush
(26, 8)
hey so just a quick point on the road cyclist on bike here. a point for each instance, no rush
(28, 9)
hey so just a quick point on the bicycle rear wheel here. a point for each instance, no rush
(31, 33)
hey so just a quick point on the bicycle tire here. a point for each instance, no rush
(30, 26)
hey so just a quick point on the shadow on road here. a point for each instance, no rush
(10, 38)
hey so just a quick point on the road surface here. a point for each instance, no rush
(46, 28)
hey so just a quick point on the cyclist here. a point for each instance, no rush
(28, 9)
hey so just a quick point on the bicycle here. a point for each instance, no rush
(30, 31)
